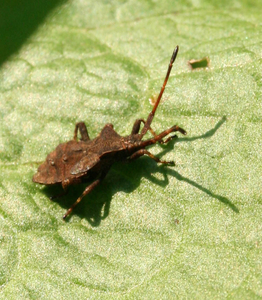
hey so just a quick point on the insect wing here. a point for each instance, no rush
(85, 164)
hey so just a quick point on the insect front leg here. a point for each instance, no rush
(161, 135)
(81, 126)
(65, 184)
(87, 190)
(136, 128)
(59, 195)
(142, 152)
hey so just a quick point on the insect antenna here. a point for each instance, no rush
(152, 113)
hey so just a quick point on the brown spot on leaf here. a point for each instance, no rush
(199, 63)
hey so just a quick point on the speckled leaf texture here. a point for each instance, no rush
(192, 231)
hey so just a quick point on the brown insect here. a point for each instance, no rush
(87, 160)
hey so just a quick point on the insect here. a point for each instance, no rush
(89, 160)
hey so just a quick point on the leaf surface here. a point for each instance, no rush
(192, 231)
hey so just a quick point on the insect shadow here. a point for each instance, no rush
(124, 177)
(81, 160)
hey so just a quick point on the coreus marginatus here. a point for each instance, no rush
(84, 160)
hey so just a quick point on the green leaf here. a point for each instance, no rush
(192, 231)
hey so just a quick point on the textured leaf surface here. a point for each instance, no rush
(192, 231)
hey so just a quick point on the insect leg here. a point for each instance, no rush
(161, 135)
(136, 127)
(81, 126)
(142, 152)
(65, 184)
(87, 190)
(169, 139)
(59, 195)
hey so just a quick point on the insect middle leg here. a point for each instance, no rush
(142, 152)
(81, 126)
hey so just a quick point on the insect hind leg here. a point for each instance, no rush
(81, 126)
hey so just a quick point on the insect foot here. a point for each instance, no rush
(89, 160)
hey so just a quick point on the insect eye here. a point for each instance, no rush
(51, 162)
